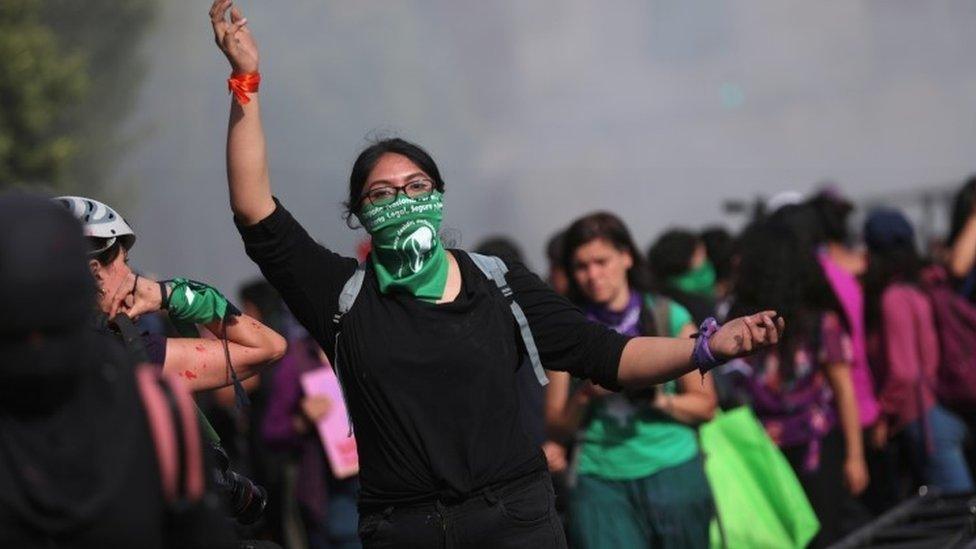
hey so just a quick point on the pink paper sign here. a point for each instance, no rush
(333, 427)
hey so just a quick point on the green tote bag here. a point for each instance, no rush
(759, 501)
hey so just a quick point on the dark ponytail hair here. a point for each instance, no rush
(779, 271)
(606, 226)
(367, 160)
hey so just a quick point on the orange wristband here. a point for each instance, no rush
(242, 84)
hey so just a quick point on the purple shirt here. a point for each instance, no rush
(797, 407)
(278, 429)
(851, 297)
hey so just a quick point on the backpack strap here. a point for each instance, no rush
(174, 430)
(662, 315)
(659, 308)
(350, 291)
(347, 297)
(494, 269)
(131, 338)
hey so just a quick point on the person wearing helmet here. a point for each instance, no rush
(78, 444)
(201, 362)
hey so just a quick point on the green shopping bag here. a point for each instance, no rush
(759, 500)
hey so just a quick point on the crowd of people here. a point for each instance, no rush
(490, 407)
(869, 395)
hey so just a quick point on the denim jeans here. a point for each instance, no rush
(944, 467)
(339, 528)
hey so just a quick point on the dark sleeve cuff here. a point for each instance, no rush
(268, 228)
(605, 374)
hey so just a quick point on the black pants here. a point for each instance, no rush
(824, 486)
(519, 514)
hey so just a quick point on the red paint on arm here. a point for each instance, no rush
(188, 374)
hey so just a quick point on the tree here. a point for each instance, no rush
(38, 86)
(69, 75)
(109, 34)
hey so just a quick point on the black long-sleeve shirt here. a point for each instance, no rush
(431, 388)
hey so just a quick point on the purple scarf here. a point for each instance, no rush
(625, 322)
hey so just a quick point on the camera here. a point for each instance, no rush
(244, 499)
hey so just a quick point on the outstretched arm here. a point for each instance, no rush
(247, 160)
(648, 361)
(697, 400)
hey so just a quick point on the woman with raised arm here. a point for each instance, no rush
(428, 352)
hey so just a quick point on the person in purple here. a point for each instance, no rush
(802, 391)
(842, 266)
(327, 504)
(904, 343)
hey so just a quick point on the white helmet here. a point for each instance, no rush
(99, 221)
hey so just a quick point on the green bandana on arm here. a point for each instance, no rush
(407, 253)
(193, 303)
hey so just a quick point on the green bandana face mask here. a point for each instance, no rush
(407, 252)
(696, 281)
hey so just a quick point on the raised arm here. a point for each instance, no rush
(247, 160)
(962, 254)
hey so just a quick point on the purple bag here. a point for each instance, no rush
(955, 319)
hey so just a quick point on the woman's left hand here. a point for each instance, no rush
(745, 335)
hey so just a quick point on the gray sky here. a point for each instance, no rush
(540, 112)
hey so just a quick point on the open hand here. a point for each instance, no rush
(745, 335)
(233, 37)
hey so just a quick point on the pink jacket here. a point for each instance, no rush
(908, 354)
(851, 298)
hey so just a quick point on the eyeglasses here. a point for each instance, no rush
(387, 194)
